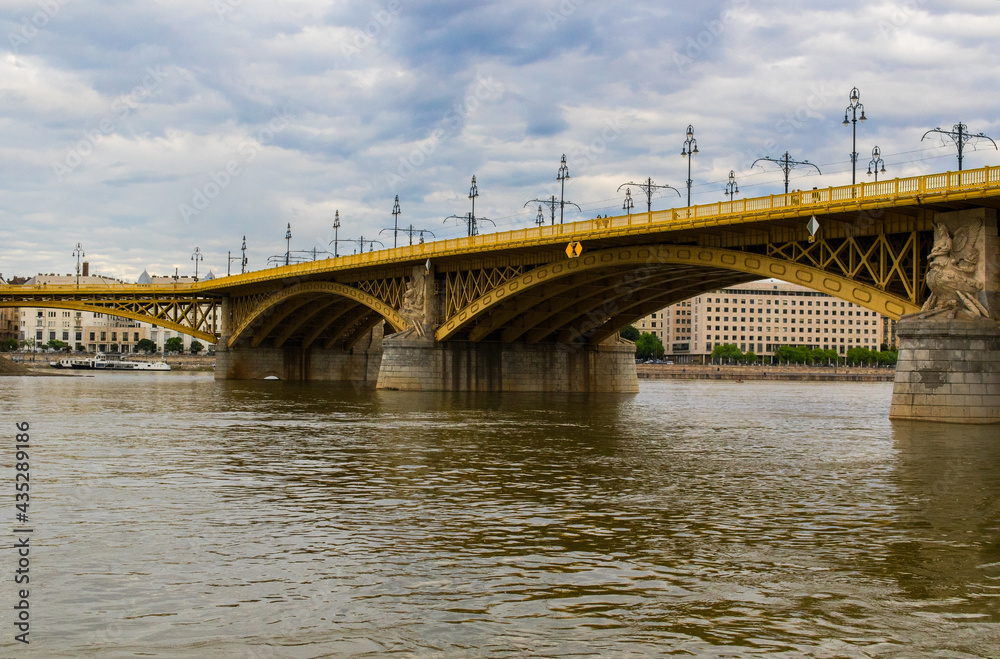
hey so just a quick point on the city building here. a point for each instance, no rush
(8, 319)
(91, 331)
(760, 316)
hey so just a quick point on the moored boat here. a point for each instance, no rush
(102, 362)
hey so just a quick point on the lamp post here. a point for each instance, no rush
(288, 242)
(470, 218)
(787, 164)
(876, 161)
(647, 187)
(687, 151)
(78, 252)
(852, 109)
(472, 223)
(551, 203)
(336, 231)
(395, 221)
(242, 260)
(960, 135)
(731, 188)
(562, 177)
(196, 256)
(473, 193)
(628, 205)
(540, 218)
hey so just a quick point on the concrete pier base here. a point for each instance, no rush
(948, 371)
(410, 364)
(357, 364)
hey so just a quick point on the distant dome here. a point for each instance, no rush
(210, 275)
(144, 278)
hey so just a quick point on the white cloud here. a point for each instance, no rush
(387, 98)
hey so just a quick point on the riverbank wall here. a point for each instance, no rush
(799, 373)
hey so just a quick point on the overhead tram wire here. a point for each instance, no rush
(612, 205)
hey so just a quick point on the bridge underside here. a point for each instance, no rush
(512, 311)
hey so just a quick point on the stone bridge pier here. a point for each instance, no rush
(414, 361)
(359, 363)
(949, 353)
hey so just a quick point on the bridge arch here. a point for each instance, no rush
(638, 266)
(379, 308)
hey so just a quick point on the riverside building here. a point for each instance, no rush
(761, 316)
(92, 331)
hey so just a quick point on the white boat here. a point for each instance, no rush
(102, 362)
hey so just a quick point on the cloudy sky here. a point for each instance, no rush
(143, 130)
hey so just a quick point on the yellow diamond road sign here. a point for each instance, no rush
(574, 249)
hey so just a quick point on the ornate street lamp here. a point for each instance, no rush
(852, 109)
(647, 187)
(731, 188)
(371, 245)
(689, 149)
(78, 252)
(196, 256)
(288, 242)
(395, 221)
(336, 231)
(471, 220)
(787, 164)
(960, 135)
(562, 176)
(473, 193)
(628, 205)
(876, 161)
(551, 203)
(243, 260)
(540, 218)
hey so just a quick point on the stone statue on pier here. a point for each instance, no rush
(413, 309)
(952, 274)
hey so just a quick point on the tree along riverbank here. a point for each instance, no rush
(742, 372)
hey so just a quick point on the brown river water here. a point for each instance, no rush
(176, 516)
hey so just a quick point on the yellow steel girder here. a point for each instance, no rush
(912, 191)
(704, 257)
(245, 314)
(884, 260)
(122, 309)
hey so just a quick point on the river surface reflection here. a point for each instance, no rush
(178, 516)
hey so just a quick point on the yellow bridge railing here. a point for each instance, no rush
(797, 202)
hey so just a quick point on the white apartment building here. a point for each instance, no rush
(760, 316)
(90, 331)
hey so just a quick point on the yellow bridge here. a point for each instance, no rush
(522, 286)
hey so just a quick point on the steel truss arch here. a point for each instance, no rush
(331, 288)
(121, 312)
(709, 258)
